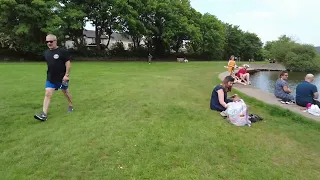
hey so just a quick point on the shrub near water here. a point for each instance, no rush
(301, 62)
(295, 56)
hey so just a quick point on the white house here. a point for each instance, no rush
(90, 39)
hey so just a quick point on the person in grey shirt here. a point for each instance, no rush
(282, 90)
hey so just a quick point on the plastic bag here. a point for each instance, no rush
(314, 110)
(237, 113)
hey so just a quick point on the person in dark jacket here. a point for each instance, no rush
(219, 100)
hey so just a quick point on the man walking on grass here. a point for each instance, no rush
(58, 62)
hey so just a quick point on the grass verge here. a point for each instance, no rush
(140, 121)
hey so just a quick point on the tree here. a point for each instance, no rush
(251, 46)
(233, 40)
(73, 17)
(180, 25)
(213, 36)
(29, 22)
(266, 54)
(133, 26)
(164, 25)
(106, 17)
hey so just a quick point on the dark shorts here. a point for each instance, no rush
(56, 86)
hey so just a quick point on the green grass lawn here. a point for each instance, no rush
(140, 121)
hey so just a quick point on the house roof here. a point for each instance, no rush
(114, 35)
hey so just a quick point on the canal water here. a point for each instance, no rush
(265, 80)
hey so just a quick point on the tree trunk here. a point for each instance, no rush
(109, 38)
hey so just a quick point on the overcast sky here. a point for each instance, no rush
(267, 18)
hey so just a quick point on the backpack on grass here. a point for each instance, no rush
(254, 118)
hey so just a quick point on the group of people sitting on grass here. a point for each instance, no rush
(233, 108)
(242, 76)
(306, 92)
(219, 100)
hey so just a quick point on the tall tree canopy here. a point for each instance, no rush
(165, 27)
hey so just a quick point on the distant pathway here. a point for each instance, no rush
(266, 97)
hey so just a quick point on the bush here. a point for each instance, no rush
(140, 52)
(88, 53)
(280, 50)
(117, 49)
(295, 56)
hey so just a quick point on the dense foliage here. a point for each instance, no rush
(295, 56)
(163, 24)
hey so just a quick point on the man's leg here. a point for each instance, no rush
(68, 96)
(243, 78)
(50, 88)
(247, 77)
(287, 99)
(291, 97)
(47, 99)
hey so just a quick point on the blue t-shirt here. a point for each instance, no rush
(214, 102)
(278, 89)
(304, 93)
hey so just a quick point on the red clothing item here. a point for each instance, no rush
(241, 71)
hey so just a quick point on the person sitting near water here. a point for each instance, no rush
(219, 100)
(282, 90)
(306, 92)
(243, 74)
(231, 64)
(237, 80)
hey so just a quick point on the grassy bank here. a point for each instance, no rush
(140, 121)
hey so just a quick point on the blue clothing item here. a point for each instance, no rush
(56, 86)
(305, 93)
(214, 102)
(280, 93)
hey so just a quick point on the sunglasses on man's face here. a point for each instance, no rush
(49, 41)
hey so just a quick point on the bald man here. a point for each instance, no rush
(58, 62)
(306, 92)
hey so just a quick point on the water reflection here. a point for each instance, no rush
(265, 80)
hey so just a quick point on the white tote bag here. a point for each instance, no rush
(237, 113)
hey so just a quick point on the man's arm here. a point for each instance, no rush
(286, 89)
(315, 92)
(68, 67)
(67, 63)
(285, 86)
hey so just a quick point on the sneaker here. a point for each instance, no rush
(42, 116)
(283, 102)
(289, 102)
(70, 109)
(223, 114)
